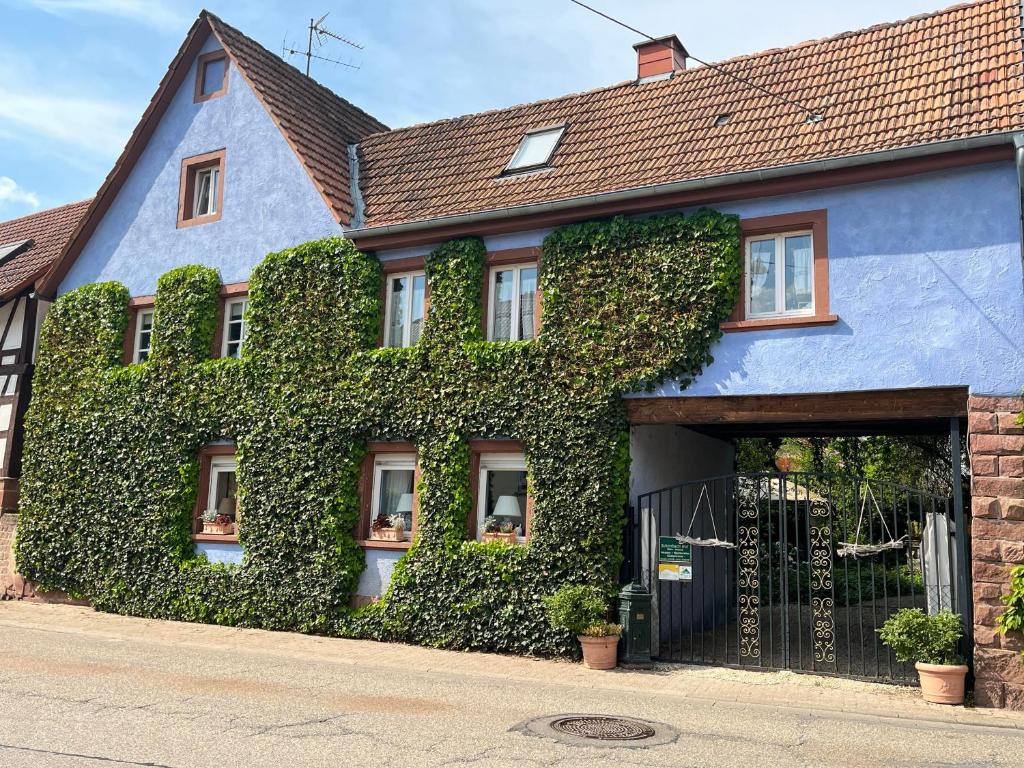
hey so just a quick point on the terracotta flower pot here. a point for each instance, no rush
(600, 652)
(508, 538)
(219, 529)
(942, 683)
(387, 534)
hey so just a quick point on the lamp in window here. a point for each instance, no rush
(507, 507)
(227, 507)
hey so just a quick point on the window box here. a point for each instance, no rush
(219, 529)
(387, 534)
(508, 538)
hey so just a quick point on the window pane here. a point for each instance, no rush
(236, 327)
(506, 497)
(397, 308)
(214, 182)
(536, 149)
(503, 288)
(202, 204)
(213, 75)
(395, 494)
(527, 297)
(145, 335)
(419, 293)
(762, 276)
(799, 272)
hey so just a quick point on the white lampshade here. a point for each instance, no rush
(226, 506)
(404, 503)
(508, 506)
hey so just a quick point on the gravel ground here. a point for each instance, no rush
(78, 688)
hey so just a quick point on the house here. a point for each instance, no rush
(514, 334)
(28, 247)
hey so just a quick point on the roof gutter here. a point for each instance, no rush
(708, 182)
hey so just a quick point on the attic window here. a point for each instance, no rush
(535, 149)
(722, 119)
(211, 75)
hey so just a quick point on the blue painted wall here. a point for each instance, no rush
(269, 200)
(220, 553)
(924, 274)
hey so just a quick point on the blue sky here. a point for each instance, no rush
(76, 75)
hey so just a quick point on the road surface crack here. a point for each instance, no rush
(97, 758)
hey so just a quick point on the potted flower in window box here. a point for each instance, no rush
(499, 531)
(931, 643)
(217, 524)
(583, 610)
(387, 527)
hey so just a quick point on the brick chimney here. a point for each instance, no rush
(659, 58)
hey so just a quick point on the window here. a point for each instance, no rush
(143, 335)
(211, 75)
(502, 498)
(406, 309)
(536, 149)
(393, 501)
(785, 273)
(202, 189)
(234, 326)
(218, 512)
(780, 275)
(514, 307)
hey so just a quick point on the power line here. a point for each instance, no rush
(812, 116)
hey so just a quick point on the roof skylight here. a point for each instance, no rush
(535, 149)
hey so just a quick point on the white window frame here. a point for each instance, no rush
(500, 462)
(780, 275)
(395, 461)
(219, 464)
(228, 303)
(492, 298)
(516, 167)
(214, 173)
(137, 348)
(389, 308)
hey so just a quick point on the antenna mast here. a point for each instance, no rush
(320, 33)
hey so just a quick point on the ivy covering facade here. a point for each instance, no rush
(110, 469)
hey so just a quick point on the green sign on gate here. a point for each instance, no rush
(674, 560)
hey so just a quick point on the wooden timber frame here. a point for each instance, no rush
(884, 411)
(17, 336)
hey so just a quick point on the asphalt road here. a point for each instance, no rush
(167, 695)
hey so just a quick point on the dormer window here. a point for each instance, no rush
(211, 75)
(202, 189)
(536, 149)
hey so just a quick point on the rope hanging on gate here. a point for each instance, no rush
(715, 542)
(855, 548)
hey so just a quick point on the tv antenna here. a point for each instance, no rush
(319, 35)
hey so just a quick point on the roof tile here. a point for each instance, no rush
(49, 231)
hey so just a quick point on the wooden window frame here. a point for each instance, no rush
(503, 259)
(394, 268)
(136, 306)
(816, 223)
(207, 454)
(201, 63)
(366, 494)
(190, 167)
(478, 449)
(388, 277)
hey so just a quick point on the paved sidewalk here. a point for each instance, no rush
(83, 688)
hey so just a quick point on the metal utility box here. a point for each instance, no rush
(635, 618)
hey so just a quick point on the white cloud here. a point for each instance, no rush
(96, 126)
(154, 14)
(11, 193)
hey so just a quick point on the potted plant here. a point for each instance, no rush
(217, 524)
(383, 528)
(583, 610)
(495, 530)
(930, 641)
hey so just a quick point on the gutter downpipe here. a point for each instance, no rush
(710, 182)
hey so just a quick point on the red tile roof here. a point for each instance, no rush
(944, 76)
(317, 123)
(49, 232)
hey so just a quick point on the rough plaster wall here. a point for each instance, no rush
(924, 273)
(664, 455)
(269, 200)
(380, 563)
(220, 553)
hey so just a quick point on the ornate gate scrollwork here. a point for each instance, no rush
(749, 583)
(822, 603)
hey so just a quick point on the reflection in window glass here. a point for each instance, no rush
(406, 309)
(503, 292)
(762, 276)
(527, 297)
(513, 303)
(213, 75)
(234, 327)
(798, 272)
(397, 307)
(144, 336)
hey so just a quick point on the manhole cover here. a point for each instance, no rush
(603, 728)
(583, 730)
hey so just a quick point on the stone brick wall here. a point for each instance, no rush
(8, 524)
(997, 543)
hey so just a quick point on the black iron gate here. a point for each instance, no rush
(793, 570)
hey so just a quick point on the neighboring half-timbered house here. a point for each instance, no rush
(28, 247)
